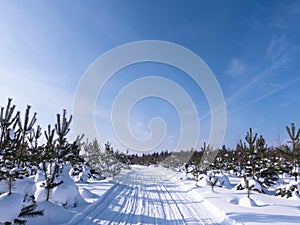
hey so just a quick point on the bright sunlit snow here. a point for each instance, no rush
(155, 195)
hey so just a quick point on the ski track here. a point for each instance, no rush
(146, 196)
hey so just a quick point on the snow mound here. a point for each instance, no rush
(223, 180)
(65, 194)
(203, 180)
(88, 195)
(85, 193)
(252, 182)
(247, 202)
(25, 186)
(11, 206)
(53, 214)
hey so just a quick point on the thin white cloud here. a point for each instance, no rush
(273, 91)
(280, 62)
(236, 67)
(277, 48)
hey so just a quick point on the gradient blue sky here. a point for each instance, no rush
(252, 47)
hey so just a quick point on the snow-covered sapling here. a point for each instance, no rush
(24, 128)
(293, 151)
(8, 120)
(28, 212)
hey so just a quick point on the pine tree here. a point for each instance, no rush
(34, 148)
(62, 128)
(8, 121)
(111, 164)
(24, 128)
(92, 155)
(266, 171)
(8, 143)
(293, 151)
(251, 153)
(56, 152)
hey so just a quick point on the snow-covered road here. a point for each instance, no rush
(147, 195)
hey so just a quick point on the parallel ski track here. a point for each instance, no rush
(146, 196)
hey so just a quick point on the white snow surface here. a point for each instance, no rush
(66, 194)
(155, 195)
(10, 207)
(247, 202)
(148, 195)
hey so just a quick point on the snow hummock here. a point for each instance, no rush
(223, 180)
(53, 214)
(88, 195)
(66, 194)
(247, 202)
(10, 207)
(252, 182)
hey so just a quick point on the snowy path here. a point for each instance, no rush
(146, 196)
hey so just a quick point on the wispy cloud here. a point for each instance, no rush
(236, 67)
(273, 91)
(287, 18)
(280, 56)
(277, 48)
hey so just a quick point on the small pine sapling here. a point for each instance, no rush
(24, 128)
(292, 151)
(213, 181)
(248, 187)
(196, 172)
(8, 120)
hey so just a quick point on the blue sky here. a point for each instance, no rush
(252, 47)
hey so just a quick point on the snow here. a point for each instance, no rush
(11, 206)
(252, 182)
(83, 176)
(53, 214)
(88, 195)
(25, 186)
(151, 195)
(148, 195)
(11, 133)
(247, 202)
(268, 210)
(66, 194)
(223, 180)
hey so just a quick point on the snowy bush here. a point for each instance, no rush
(290, 190)
(80, 173)
(105, 163)
(65, 194)
(249, 184)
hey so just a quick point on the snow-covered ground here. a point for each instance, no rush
(148, 195)
(260, 209)
(155, 195)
